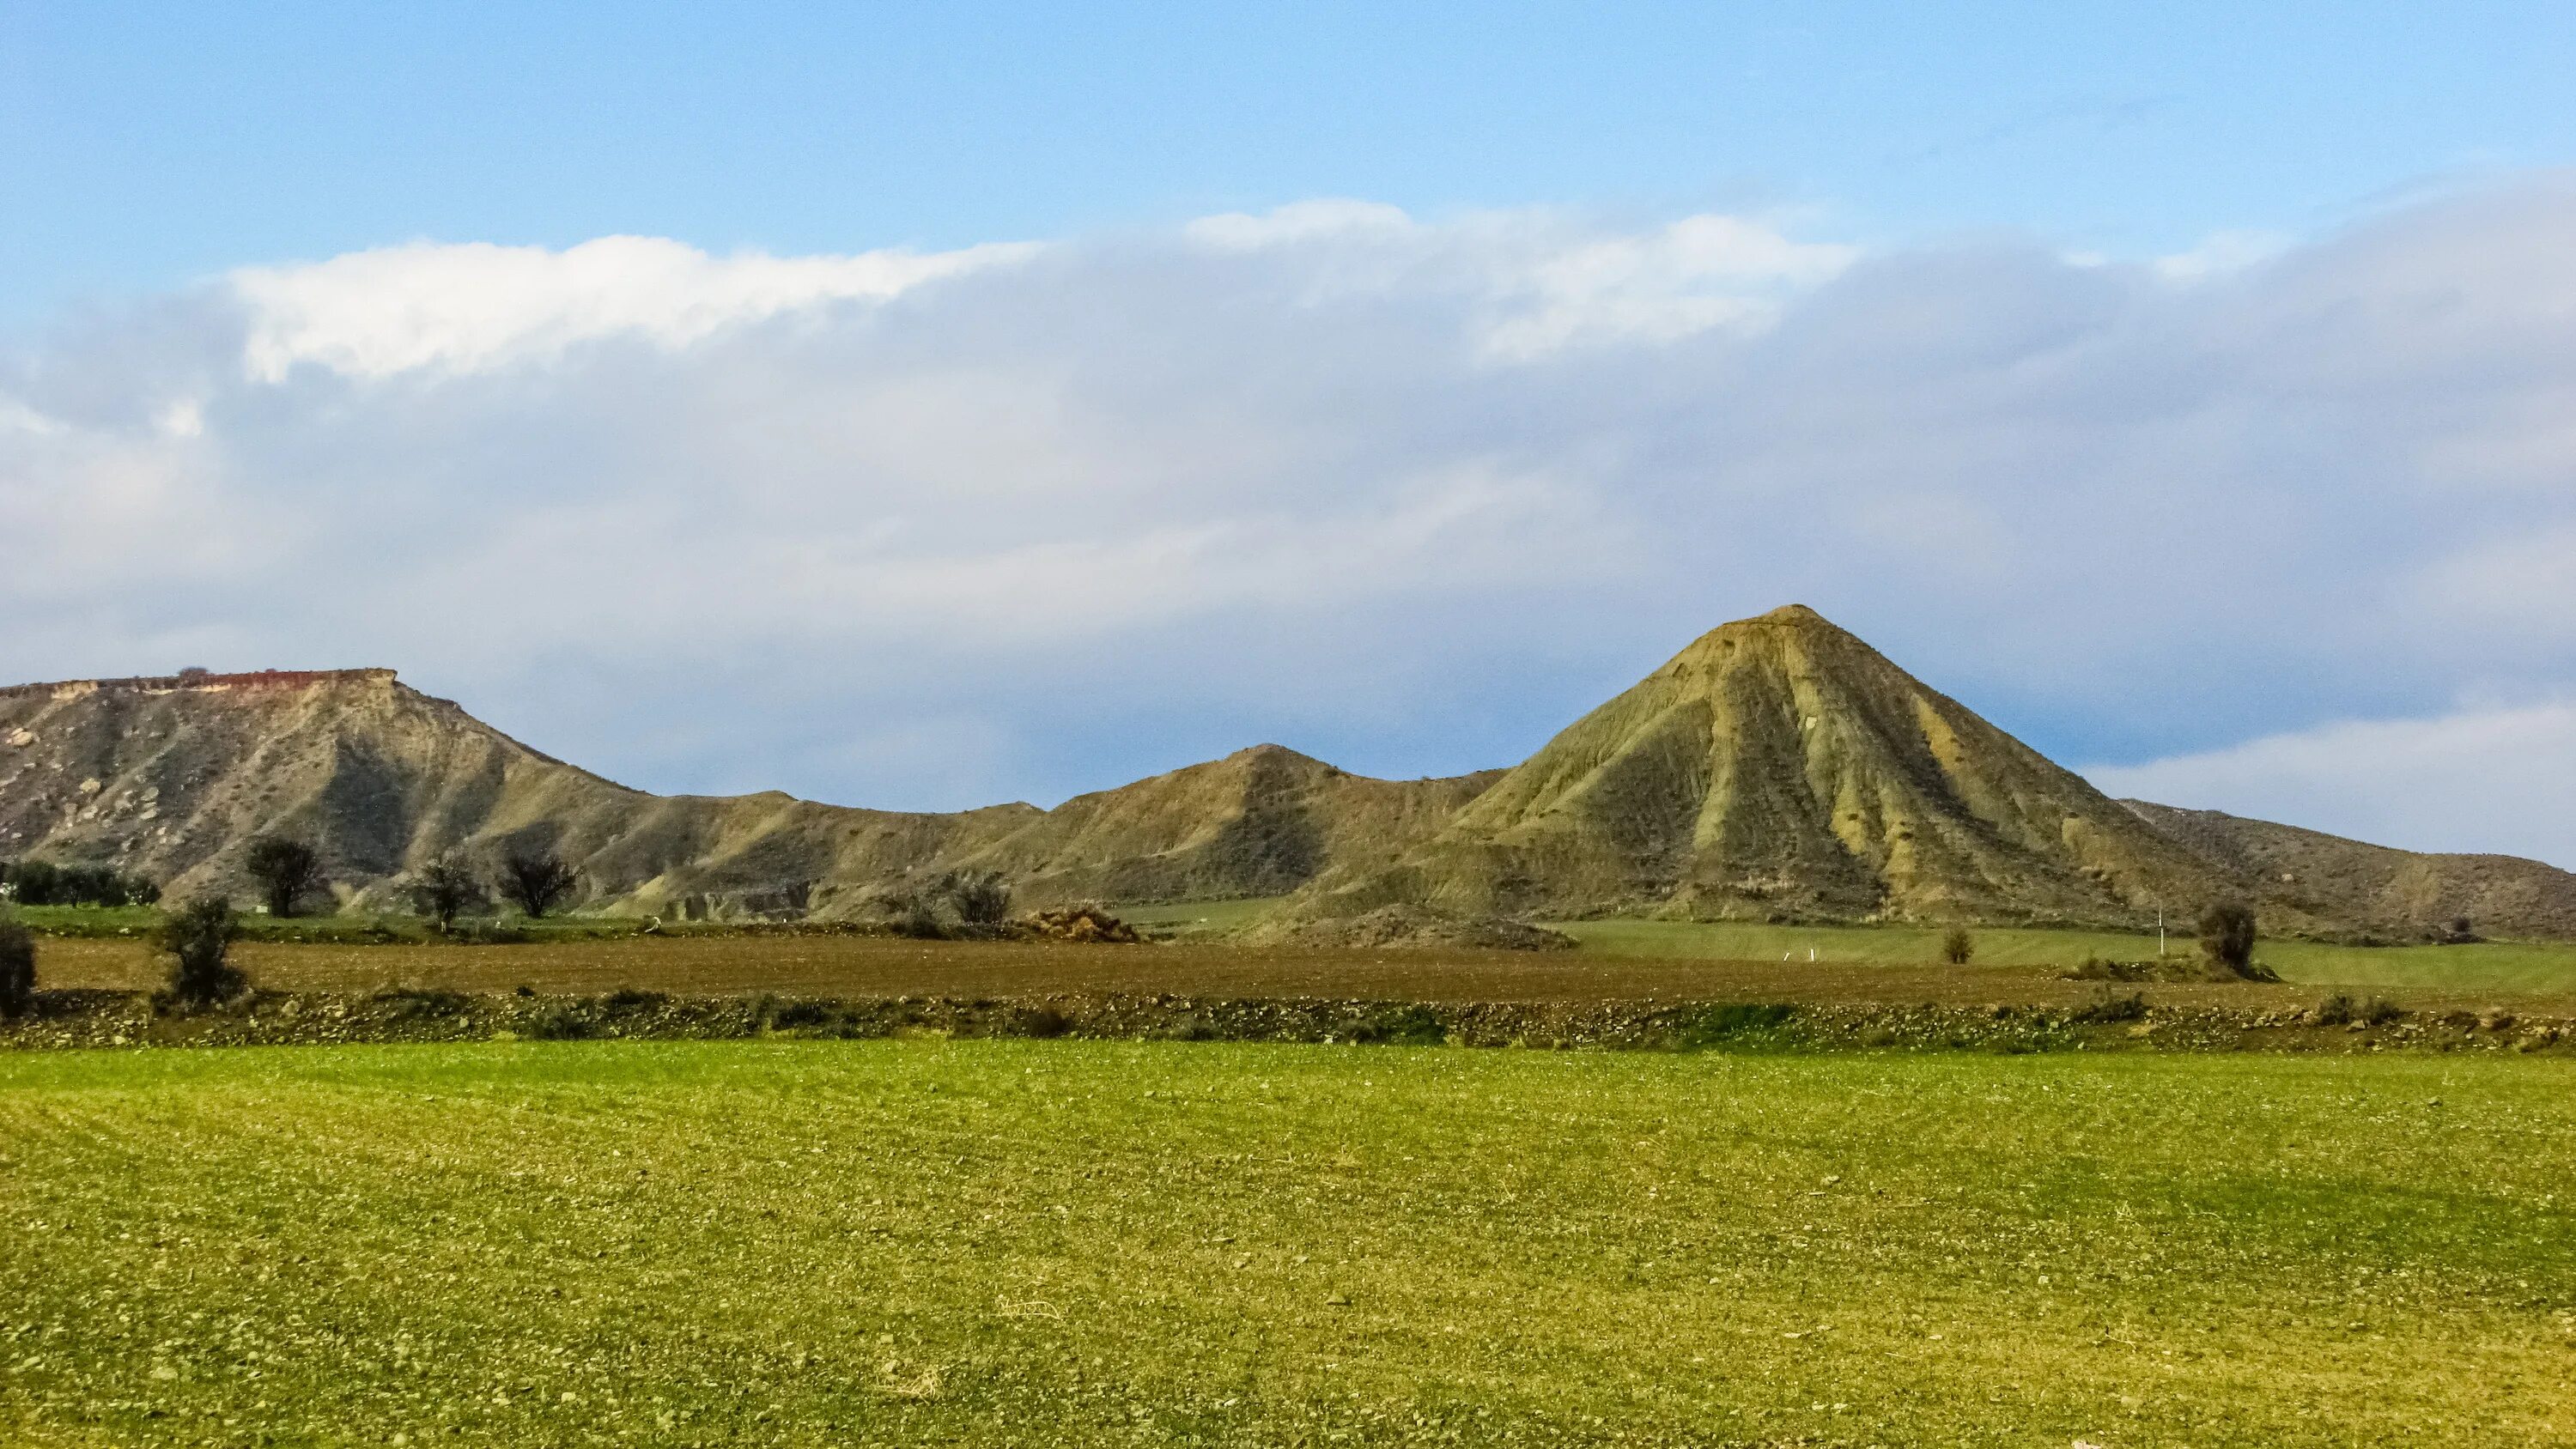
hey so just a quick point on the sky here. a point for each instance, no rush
(930, 406)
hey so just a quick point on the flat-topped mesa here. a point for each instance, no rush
(199, 681)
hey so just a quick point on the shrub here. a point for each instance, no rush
(630, 998)
(17, 968)
(2227, 937)
(412, 1003)
(444, 890)
(536, 881)
(1709, 1025)
(801, 1015)
(199, 938)
(982, 897)
(1414, 1025)
(287, 872)
(2335, 1010)
(2377, 1011)
(567, 1022)
(42, 883)
(1043, 1022)
(1958, 946)
(976, 900)
(2106, 1009)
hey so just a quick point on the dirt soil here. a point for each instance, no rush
(862, 966)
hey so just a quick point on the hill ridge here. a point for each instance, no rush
(1774, 767)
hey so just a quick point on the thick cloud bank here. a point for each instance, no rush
(911, 529)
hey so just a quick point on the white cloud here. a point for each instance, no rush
(1422, 489)
(1301, 222)
(474, 306)
(2220, 253)
(1699, 273)
(1545, 281)
(2500, 780)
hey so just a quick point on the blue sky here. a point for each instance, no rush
(148, 145)
(925, 407)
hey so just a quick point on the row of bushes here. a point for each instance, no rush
(43, 883)
(288, 872)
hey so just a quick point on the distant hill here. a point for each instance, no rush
(2396, 894)
(172, 777)
(1778, 767)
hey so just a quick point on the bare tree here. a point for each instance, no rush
(444, 890)
(287, 871)
(536, 881)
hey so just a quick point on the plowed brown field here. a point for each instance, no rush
(876, 966)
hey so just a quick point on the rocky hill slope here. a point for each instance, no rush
(171, 778)
(2398, 895)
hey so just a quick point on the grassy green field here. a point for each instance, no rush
(1021, 1243)
(2487, 966)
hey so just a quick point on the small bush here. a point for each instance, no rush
(17, 968)
(2227, 937)
(629, 998)
(287, 872)
(982, 897)
(2335, 1010)
(2107, 1009)
(2377, 1011)
(1710, 1025)
(412, 1003)
(1958, 946)
(567, 1022)
(1414, 1025)
(801, 1015)
(1043, 1022)
(199, 938)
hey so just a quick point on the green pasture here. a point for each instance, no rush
(1058, 1243)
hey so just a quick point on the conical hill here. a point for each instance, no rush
(1781, 767)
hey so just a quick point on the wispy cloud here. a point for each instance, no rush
(473, 306)
(2498, 779)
